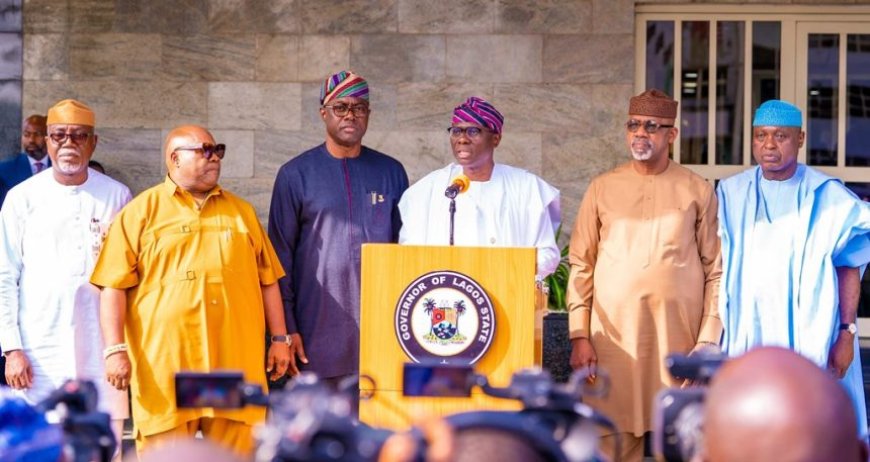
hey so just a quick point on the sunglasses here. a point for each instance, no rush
(61, 137)
(650, 126)
(206, 150)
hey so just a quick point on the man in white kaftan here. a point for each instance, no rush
(795, 243)
(503, 206)
(51, 231)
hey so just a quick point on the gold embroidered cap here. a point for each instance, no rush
(70, 111)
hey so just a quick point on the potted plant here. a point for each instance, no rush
(557, 347)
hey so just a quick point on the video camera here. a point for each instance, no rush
(678, 416)
(309, 421)
(87, 433)
(554, 424)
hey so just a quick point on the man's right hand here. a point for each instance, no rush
(583, 355)
(119, 370)
(19, 374)
(296, 349)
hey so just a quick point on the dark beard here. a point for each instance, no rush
(37, 154)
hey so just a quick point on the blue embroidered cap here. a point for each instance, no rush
(777, 113)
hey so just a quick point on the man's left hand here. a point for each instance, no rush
(841, 355)
(707, 348)
(278, 359)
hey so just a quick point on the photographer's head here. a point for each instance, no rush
(190, 450)
(773, 404)
(443, 443)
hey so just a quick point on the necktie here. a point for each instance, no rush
(39, 166)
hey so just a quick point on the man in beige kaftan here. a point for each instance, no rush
(645, 268)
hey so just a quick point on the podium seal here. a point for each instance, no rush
(445, 316)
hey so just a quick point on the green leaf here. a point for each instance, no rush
(558, 281)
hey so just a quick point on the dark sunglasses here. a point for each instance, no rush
(650, 126)
(206, 150)
(61, 137)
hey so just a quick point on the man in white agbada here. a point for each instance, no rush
(795, 243)
(503, 206)
(51, 231)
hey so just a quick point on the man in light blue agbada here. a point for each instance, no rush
(795, 243)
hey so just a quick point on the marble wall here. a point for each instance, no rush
(11, 49)
(561, 71)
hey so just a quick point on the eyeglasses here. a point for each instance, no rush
(61, 137)
(471, 132)
(650, 126)
(341, 110)
(206, 150)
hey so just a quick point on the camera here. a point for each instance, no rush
(86, 434)
(308, 421)
(678, 415)
(87, 431)
(220, 390)
(432, 379)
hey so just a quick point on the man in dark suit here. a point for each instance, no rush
(31, 160)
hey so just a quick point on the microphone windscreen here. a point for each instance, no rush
(462, 182)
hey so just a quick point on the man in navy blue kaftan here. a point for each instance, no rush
(326, 203)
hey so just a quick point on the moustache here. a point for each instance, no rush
(642, 141)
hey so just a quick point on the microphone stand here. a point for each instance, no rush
(451, 193)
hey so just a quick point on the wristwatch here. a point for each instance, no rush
(851, 327)
(282, 338)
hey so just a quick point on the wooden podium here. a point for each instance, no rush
(507, 275)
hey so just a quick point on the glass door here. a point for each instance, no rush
(833, 84)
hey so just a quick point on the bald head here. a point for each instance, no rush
(187, 152)
(773, 404)
(183, 135)
(191, 450)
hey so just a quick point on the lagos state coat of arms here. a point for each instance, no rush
(446, 316)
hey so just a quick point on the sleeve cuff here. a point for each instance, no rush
(711, 330)
(578, 323)
(290, 322)
(10, 339)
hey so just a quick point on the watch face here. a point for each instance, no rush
(853, 329)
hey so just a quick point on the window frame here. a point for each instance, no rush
(794, 20)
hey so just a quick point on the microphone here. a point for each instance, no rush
(458, 186)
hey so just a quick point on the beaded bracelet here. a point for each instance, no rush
(109, 351)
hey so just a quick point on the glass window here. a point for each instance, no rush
(823, 67)
(863, 191)
(766, 50)
(694, 92)
(858, 100)
(660, 56)
(729, 92)
(795, 53)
